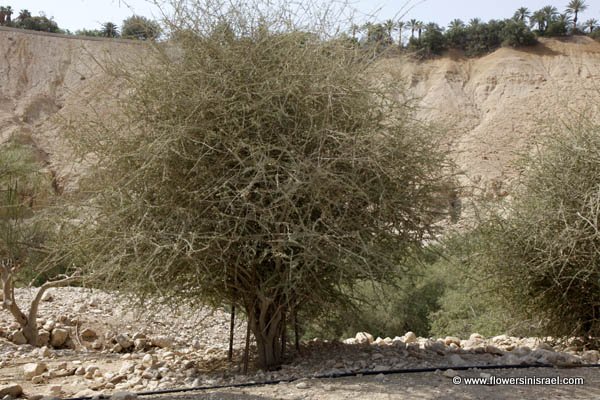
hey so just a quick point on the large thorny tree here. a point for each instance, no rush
(261, 167)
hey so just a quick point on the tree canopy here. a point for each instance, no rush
(263, 168)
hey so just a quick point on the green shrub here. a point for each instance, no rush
(517, 34)
(545, 254)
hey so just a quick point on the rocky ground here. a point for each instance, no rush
(95, 343)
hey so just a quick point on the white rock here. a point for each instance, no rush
(47, 296)
(38, 379)
(364, 338)
(80, 371)
(33, 369)
(49, 325)
(91, 369)
(410, 337)
(451, 339)
(350, 341)
(302, 385)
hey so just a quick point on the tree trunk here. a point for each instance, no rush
(231, 332)
(28, 322)
(267, 324)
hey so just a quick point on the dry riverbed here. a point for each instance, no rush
(97, 343)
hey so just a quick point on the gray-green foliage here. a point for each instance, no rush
(141, 28)
(262, 166)
(546, 253)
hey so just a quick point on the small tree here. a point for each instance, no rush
(23, 190)
(109, 30)
(140, 28)
(267, 169)
(545, 253)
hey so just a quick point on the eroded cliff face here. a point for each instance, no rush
(493, 107)
(497, 107)
(47, 80)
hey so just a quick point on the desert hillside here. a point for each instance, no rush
(46, 79)
(492, 106)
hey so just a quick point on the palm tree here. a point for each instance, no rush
(389, 26)
(521, 14)
(400, 26)
(413, 25)
(110, 30)
(550, 12)
(9, 13)
(591, 23)
(420, 27)
(538, 18)
(23, 15)
(475, 21)
(575, 6)
(456, 24)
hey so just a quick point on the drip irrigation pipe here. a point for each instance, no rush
(342, 375)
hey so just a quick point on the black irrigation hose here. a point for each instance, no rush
(341, 375)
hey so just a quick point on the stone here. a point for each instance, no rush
(456, 360)
(476, 336)
(44, 352)
(364, 338)
(140, 344)
(491, 349)
(350, 341)
(302, 385)
(410, 337)
(591, 356)
(97, 345)
(435, 346)
(149, 360)
(164, 342)
(55, 389)
(12, 389)
(450, 373)
(43, 338)
(18, 338)
(59, 337)
(38, 380)
(47, 296)
(80, 371)
(33, 369)
(88, 335)
(452, 339)
(49, 325)
(124, 341)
